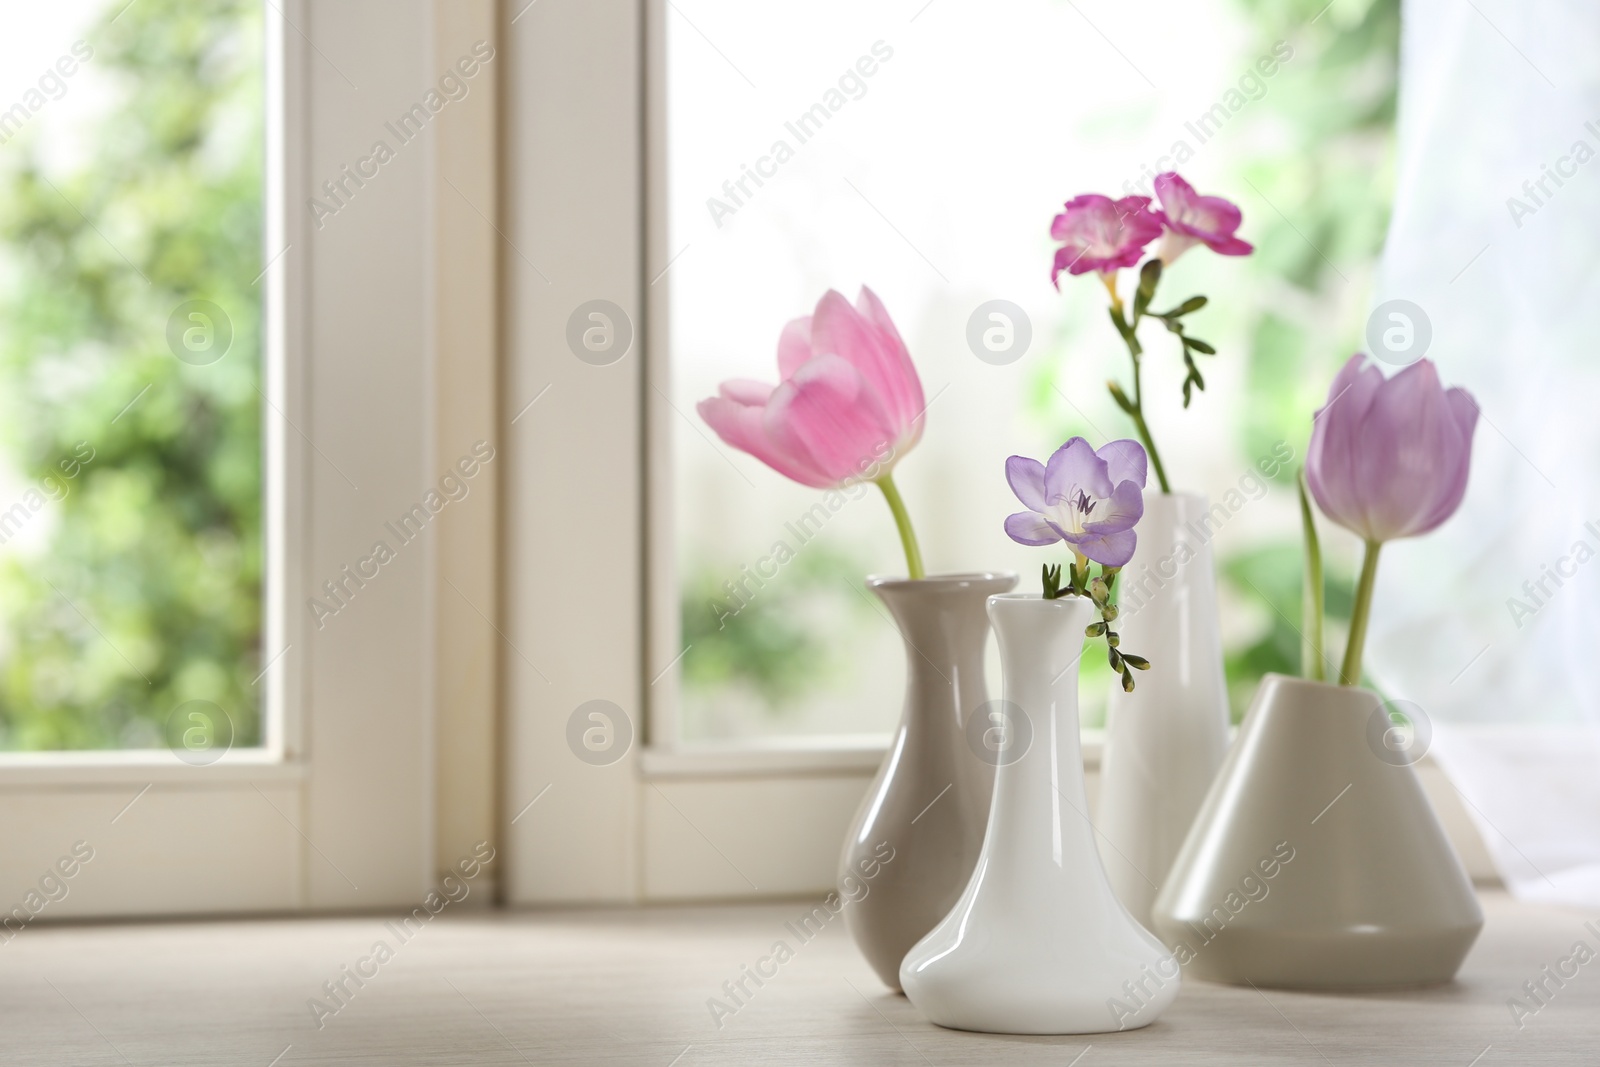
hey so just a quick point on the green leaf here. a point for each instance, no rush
(1094, 629)
(1312, 591)
(1199, 346)
(1127, 680)
(1136, 662)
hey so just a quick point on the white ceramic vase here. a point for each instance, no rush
(1038, 942)
(1166, 740)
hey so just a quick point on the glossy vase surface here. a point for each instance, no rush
(1165, 740)
(1317, 862)
(916, 835)
(1038, 942)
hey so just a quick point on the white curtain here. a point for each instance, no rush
(1491, 626)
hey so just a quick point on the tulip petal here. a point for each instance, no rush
(1026, 478)
(1028, 528)
(1412, 459)
(830, 413)
(794, 347)
(1463, 409)
(1110, 549)
(1125, 461)
(747, 392)
(839, 329)
(742, 426)
(906, 385)
(1336, 441)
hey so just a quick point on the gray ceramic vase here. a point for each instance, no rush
(917, 834)
(1316, 860)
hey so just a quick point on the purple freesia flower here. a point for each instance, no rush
(1389, 457)
(1087, 498)
(1099, 233)
(1192, 219)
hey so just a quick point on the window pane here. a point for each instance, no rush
(922, 150)
(130, 346)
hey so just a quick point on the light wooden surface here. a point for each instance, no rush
(631, 986)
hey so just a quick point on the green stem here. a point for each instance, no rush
(1350, 673)
(902, 521)
(1130, 337)
(1312, 657)
(1144, 434)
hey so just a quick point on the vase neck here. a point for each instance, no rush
(1040, 800)
(941, 619)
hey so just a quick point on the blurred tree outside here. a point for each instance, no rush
(146, 591)
(773, 644)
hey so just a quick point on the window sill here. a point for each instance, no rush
(28, 770)
(856, 755)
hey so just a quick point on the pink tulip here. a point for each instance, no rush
(1192, 219)
(1099, 233)
(1389, 457)
(849, 405)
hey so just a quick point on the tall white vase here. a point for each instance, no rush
(1038, 942)
(1166, 740)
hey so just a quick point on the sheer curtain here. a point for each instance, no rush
(1490, 628)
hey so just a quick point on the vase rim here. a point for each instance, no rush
(973, 581)
(1055, 604)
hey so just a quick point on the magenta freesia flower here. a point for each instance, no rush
(1087, 498)
(1099, 233)
(1192, 219)
(1389, 457)
(849, 404)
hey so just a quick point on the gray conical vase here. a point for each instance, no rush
(1316, 860)
(928, 805)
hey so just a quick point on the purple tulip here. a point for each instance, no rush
(1389, 458)
(1089, 499)
(1099, 233)
(1192, 219)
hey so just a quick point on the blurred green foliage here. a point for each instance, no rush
(1330, 171)
(146, 593)
(779, 641)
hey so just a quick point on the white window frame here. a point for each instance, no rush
(592, 600)
(338, 809)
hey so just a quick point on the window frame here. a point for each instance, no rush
(340, 806)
